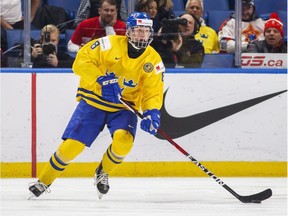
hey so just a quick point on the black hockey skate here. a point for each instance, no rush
(38, 188)
(101, 181)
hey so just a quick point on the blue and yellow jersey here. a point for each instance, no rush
(141, 79)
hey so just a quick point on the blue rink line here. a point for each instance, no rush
(168, 70)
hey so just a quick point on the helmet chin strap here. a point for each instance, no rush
(133, 51)
(134, 46)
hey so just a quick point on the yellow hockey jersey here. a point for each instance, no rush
(141, 79)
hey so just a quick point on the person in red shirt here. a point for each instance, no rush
(96, 27)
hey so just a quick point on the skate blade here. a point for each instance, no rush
(100, 195)
(31, 196)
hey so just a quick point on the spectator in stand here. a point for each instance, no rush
(151, 8)
(165, 9)
(11, 17)
(206, 35)
(90, 8)
(45, 53)
(11, 13)
(274, 38)
(252, 29)
(96, 27)
(180, 49)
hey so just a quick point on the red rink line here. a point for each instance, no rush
(33, 125)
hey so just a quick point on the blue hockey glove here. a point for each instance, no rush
(151, 121)
(110, 88)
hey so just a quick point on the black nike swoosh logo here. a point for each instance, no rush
(178, 127)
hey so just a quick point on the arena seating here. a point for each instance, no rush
(178, 13)
(71, 7)
(268, 6)
(16, 36)
(68, 34)
(212, 5)
(178, 5)
(218, 61)
(216, 18)
(283, 16)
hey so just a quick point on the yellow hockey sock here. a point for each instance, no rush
(66, 152)
(116, 152)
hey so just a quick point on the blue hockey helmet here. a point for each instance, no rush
(137, 20)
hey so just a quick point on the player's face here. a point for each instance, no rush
(108, 13)
(195, 8)
(189, 28)
(273, 37)
(247, 11)
(140, 33)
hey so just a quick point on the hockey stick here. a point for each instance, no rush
(254, 198)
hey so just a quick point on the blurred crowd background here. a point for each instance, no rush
(207, 38)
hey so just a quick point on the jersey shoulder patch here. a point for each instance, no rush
(160, 67)
(105, 43)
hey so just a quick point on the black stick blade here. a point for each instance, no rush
(256, 198)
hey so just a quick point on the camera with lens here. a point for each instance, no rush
(170, 28)
(47, 46)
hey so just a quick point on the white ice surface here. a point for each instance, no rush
(145, 196)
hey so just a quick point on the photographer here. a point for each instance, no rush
(45, 53)
(176, 42)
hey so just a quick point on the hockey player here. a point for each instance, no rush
(109, 68)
